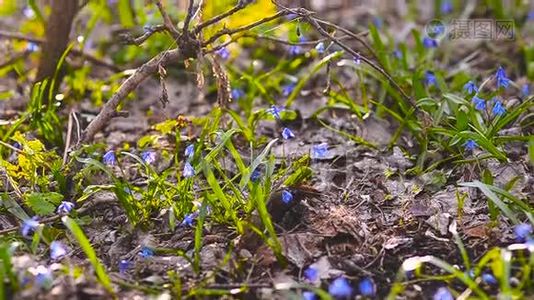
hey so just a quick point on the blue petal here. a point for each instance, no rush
(443, 293)
(189, 151)
(367, 287)
(311, 274)
(189, 171)
(287, 133)
(340, 288)
(57, 250)
(287, 197)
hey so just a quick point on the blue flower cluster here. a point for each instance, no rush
(339, 288)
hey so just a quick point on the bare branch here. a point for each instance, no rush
(13, 59)
(227, 31)
(216, 19)
(189, 17)
(20, 36)
(141, 39)
(167, 21)
(318, 27)
(109, 109)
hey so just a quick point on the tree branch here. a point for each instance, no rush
(227, 31)
(167, 21)
(216, 19)
(189, 17)
(109, 109)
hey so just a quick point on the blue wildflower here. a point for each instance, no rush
(470, 87)
(28, 12)
(109, 158)
(311, 273)
(430, 78)
(308, 295)
(443, 293)
(489, 279)
(470, 145)
(357, 59)
(65, 207)
(189, 171)
(223, 53)
(275, 110)
(530, 16)
(237, 93)
(367, 287)
(189, 219)
(480, 104)
(320, 48)
(287, 133)
(397, 54)
(498, 108)
(502, 80)
(446, 7)
(43, 277)
(255, 176)
(146, 252)
(378, 22)
(320, 150)
(288, 89)
(525, 90)
(32, 47)
(29, 226)
(522, 231)
(294, 50)
(189, 151)
(287, 197)
(430, 43)
(340, 288)
(124, 265)
(148, 156)
(57, 250)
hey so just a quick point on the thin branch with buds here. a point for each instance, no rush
(227, 31)
(128, 39)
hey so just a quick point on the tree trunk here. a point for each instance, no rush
(57, 37)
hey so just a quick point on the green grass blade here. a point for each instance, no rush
(484, 188)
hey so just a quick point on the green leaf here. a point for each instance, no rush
(484, 188)
(43, 203)
(84, 243)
